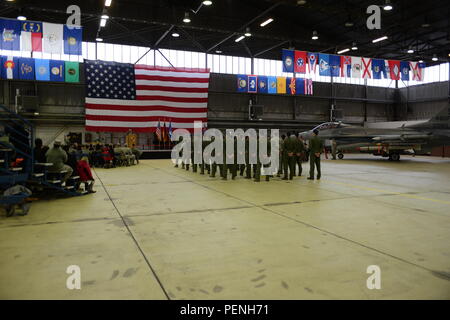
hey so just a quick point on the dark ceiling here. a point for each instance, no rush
(151, 23)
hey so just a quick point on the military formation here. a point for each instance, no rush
(293, 151)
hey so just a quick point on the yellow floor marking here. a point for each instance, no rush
(391, 192)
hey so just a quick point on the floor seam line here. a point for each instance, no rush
(134, 239)
(315, 227)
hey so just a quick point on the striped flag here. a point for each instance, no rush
(121, 96)
(158, 131)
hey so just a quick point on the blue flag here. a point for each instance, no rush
(252, 84)
(56, 70)
(42, 69)
(10, 67)
(300, 85)
(26, 69)
(324, 65)
(378, 68)
(242, 81)
(72, 40)
(10, 34)
(335, 65)
(404, 68)
(288, 60)
(272, 87)
(262, 84)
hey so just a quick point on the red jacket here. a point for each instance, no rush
(84, 171)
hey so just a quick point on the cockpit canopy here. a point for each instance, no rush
(329, 125)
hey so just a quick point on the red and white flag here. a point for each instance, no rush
(394, 69)
(31, 41)
(367, 68)
(121, 96)
(417, 71)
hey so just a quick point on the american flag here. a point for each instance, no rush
(121, 96)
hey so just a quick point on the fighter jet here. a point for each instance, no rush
(418, 138)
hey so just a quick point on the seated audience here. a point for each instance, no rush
(39, 151)
(58, 157)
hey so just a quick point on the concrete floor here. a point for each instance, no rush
(153, 231)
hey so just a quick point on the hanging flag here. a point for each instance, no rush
(387, 71)
(26, 69)
(404, 67)
(378, 68)
(53, 37)
(309, 86)
(42, 69)
(56, 70)
(300, 61)
(31, 36)
(313, 59)
(262, 84)
(272, 87)
(335, 65)
(356, 67)
(288, 60)
(72, 73)
(300, 85)
(242, 81)
(10, 30)
(367, 68)
(324, 65)
(123, 96)
(290, 85)
(417, 71)
(252, 84)
(73, 36)
(281, 85)
(10, 67)
(394, 69)
(346, 66)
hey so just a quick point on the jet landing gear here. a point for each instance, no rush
(394, 157)
(340, 156)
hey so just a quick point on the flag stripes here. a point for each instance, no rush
(178, 94)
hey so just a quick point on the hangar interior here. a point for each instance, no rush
(153, 231)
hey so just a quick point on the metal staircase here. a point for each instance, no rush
(17, 165)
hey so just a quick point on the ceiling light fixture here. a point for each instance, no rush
(21, 18)
(175, 34)
(108, 3)
(186, 18)
(379, 39)
(99, 39)
(207, 2)
(435, 58)
(105, 16)
(344, 50)
(265, 23)
(354, 47)
(410, 50)
(239, 39)
(301, 2)
(102, 22)
(387, 5)
(420, 61)
(218, 51)
(315, 36)
(247, 32)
